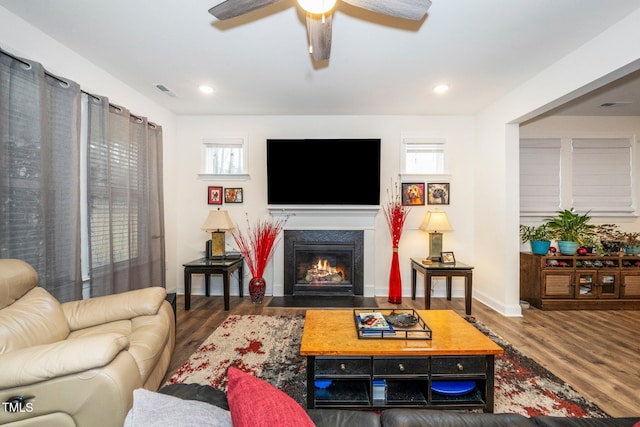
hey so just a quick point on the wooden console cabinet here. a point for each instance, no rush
(588, 282)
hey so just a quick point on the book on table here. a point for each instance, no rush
(373, 322)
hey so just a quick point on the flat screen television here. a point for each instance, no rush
(323, 171)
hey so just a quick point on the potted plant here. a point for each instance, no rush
(609, 237)
(538, 237)
(631, 242)
(613, 240)
(570, 229)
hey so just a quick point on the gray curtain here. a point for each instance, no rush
(39, 174)
(125, 205)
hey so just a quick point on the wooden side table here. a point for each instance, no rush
(224, 266)
(438, 269)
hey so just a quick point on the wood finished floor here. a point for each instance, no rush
(597, 352)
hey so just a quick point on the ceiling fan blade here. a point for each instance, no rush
(232, 8)
(407, 9)
(319, 35)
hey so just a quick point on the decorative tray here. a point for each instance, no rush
(396, 323)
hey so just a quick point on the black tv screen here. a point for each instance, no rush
(323, 171)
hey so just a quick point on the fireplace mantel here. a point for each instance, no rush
(347, 216)
(327, 217)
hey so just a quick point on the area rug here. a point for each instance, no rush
(523, 386)
(267, 347)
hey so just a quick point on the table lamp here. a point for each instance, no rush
(217, 222)
(434, 223)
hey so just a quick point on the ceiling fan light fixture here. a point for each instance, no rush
(317, 6)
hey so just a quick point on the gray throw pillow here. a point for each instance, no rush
(152, 409)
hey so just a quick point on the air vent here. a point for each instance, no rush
(616, 104)
(166, 90)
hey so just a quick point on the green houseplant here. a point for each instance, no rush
(571, 230)
(631, 242)
(538, 237)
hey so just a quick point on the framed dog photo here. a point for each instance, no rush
(438, 193)
(413, 193)
(214, 195)
(447, 258)
(233, 195)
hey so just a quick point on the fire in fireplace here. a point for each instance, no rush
(323, 271)
(323, 262)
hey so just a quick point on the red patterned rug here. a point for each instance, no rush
(267, 347)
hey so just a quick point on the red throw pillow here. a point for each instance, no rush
(255, 403)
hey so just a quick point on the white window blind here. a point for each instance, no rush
(602, 175)
(540, 176)
(225, 157)
(423, 155)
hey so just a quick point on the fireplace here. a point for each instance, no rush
(323, 262)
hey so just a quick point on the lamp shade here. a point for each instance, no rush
(435, 221)
(218, 220)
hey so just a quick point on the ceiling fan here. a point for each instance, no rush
(320, 12)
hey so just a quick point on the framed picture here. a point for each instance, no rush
(233, 195)
(214, 195)
(413, 193)
(448, 258)
(438, 193)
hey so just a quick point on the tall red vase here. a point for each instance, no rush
(395, 283)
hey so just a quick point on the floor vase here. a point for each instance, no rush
(257, 287)
(395, 282)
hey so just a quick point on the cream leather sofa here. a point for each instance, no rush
(77, 363)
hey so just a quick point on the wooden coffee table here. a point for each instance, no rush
(347, 368)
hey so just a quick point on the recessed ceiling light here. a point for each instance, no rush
(441, 88)
(206, 89)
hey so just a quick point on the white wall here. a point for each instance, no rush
(484, 187)
(459, 132)
(22, 39)
(497, 239)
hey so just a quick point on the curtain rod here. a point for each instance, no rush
(59, 79)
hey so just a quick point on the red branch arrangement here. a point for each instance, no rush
(257, 244)
(396, 213)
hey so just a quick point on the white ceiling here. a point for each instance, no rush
(259, 63)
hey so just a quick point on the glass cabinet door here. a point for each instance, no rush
(609, 285)
(586, 282)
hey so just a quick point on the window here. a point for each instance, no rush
(539, 176)
(423, 155)
(588, 174)
(601, 175)
(225, 157)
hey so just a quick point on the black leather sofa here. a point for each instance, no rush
(441, 418)
(408, 417)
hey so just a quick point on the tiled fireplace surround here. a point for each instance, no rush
(328, 218)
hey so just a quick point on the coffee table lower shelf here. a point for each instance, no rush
(407, 389)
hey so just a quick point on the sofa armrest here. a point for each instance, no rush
(110, 308)
(43, 362)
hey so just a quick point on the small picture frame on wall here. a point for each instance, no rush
(413, 193)
(438, 193)
(233, 195)
(214, 195)
(448, 258)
